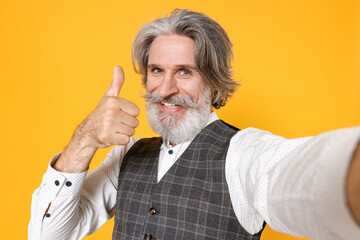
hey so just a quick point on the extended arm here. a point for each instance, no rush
(303, 187)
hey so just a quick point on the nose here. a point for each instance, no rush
(168, 86)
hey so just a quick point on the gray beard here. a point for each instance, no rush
(178, 128)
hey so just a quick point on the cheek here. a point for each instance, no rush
(195, 91)
(197, 95)
(150, 85)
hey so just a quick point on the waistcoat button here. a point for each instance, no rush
(153, 211)
(148, 236)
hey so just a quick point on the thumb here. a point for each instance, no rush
(116, 83)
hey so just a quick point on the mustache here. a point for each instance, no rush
(179, 100)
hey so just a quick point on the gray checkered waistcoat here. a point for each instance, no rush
(192, 199)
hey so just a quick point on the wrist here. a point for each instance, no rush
(76, 157)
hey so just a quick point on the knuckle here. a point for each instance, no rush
(110, 100)
(106, 125)
(124, 140)
(110, 112)
(104, 137)
(105, 122)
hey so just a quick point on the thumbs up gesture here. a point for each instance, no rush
(112, 122)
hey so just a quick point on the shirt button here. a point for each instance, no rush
(57, 183)
(153, 211)
(148, 236)
(170, 151)
(68, 183)
(47, 215)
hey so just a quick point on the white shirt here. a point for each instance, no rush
(296, 185)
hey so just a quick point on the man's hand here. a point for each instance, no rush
(113, 122)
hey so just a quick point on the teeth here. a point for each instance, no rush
(169, 105)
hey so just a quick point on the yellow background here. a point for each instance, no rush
(298, 62)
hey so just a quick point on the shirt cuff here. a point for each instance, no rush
(59, 183)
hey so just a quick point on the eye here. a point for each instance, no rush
(156, 70)
(184, 72)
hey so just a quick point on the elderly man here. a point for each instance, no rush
(202, 179)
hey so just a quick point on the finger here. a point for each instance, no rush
(124, 129)
(129, 107)
(116, 83)
(121, 139)
(128, 120)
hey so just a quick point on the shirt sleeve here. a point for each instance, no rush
(73, 205)
(296, 185)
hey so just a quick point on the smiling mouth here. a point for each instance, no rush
(169, 105)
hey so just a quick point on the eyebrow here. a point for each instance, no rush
(192, 67)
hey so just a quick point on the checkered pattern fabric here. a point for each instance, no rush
(190, 202)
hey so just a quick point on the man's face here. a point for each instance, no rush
(172, 70)
(178, 101)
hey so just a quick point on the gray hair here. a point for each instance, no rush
(213, 53)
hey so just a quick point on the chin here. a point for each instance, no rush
(179, 125)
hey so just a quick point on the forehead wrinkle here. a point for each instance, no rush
(179, 66)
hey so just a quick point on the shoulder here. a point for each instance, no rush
(250, 136)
